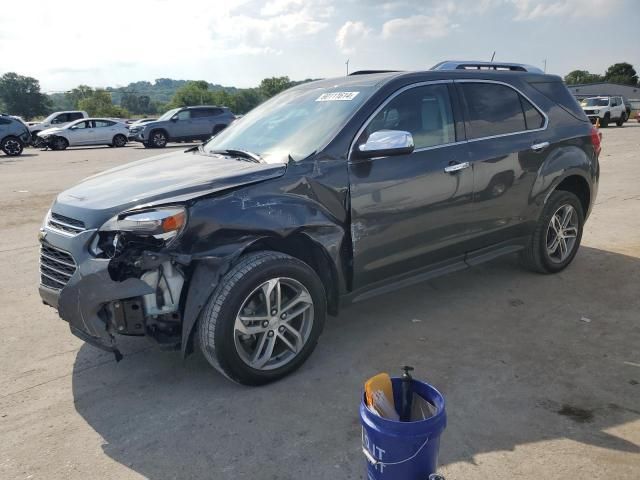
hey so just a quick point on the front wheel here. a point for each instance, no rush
(59, 143)
(264, 319)
(158, 139)
(604, 123)
(557, 236)
(12, 146)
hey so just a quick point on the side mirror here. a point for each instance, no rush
(174, 118)
(384, 143)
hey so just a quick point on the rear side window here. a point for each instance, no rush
(492, 109)
(62, 118)
(104, 123)
(557, 92)
(75, 116)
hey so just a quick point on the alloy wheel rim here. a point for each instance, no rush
(274, 323)
(562, 233)
(12, 147)
(159, 139)
(60, 143)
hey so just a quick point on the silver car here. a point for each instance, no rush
(87, 131)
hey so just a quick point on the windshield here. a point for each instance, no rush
(168, 115)
(595, 102)
(295, 123)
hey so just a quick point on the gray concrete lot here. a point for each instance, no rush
(541, 373)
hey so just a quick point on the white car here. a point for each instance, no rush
(607, 109)
(88, 131)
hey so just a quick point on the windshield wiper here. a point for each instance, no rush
(252, 157)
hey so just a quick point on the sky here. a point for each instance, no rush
(239, 42)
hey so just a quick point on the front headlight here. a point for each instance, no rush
(596, 111)
(160, 223)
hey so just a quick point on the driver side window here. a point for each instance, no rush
(425, 112)
(184, 115)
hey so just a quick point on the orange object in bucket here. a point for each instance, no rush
(379, 395)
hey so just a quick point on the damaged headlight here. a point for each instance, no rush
(160, 223)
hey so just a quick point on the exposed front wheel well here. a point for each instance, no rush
(303, 248)
(579, 187)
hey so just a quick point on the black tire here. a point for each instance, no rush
(59, 143)
(621, 120)
(216, 328)
(535, 256)
(119, 141)
(12, 146)
(604, 123)
(146, 145)
(158, 139)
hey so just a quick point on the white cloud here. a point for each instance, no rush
(350, 35)
(532, 9)
(418, 27)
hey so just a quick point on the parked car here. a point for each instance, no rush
(137, 126)
(607, 109)
(56, 119)
(627, 107)
(14, 135)
(88, 131)
(329, 193)
(183, 124)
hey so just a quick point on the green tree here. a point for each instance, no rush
(21, 96)
(274, 85)
(131, 102)
(622, 73)
(246, 100)
(99, 104)
(581, 76)
(81, 92)
(193, 93)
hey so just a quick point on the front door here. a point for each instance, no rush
(82, 133)
(411, 211)
(182, 126)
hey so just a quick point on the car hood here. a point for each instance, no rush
(173, 177)
(49, 131)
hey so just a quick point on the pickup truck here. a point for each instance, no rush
(56, 119)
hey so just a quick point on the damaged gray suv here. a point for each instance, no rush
(329, 193)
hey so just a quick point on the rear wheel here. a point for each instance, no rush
(119, 141)
(264, 319)
(158, 139)
(621, 120)
(12, 146)
(59, 143)
(557, 236)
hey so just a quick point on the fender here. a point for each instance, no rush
(563, 162)
(294, 224)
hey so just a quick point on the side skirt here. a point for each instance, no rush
(462, 262)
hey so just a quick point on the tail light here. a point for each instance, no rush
(596, 139)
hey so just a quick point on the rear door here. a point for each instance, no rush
(407, 211)
(204, 120)
(104, 131)
(507, 143)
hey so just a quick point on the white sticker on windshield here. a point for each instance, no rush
(336, 96)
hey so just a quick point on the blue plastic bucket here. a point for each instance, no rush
(403, 450)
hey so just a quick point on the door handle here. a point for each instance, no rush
(456, 167)
(538, 147)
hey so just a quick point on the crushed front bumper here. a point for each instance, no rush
(81, 300)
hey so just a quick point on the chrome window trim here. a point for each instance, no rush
(520, 132)
(457, 142)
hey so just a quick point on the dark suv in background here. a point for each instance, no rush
(183, 124)
(331, 192)
(14, 135)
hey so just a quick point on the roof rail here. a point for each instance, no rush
(366, 72)
(472, 65)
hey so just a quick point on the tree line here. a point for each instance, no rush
(21, 95)
(622, 73)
